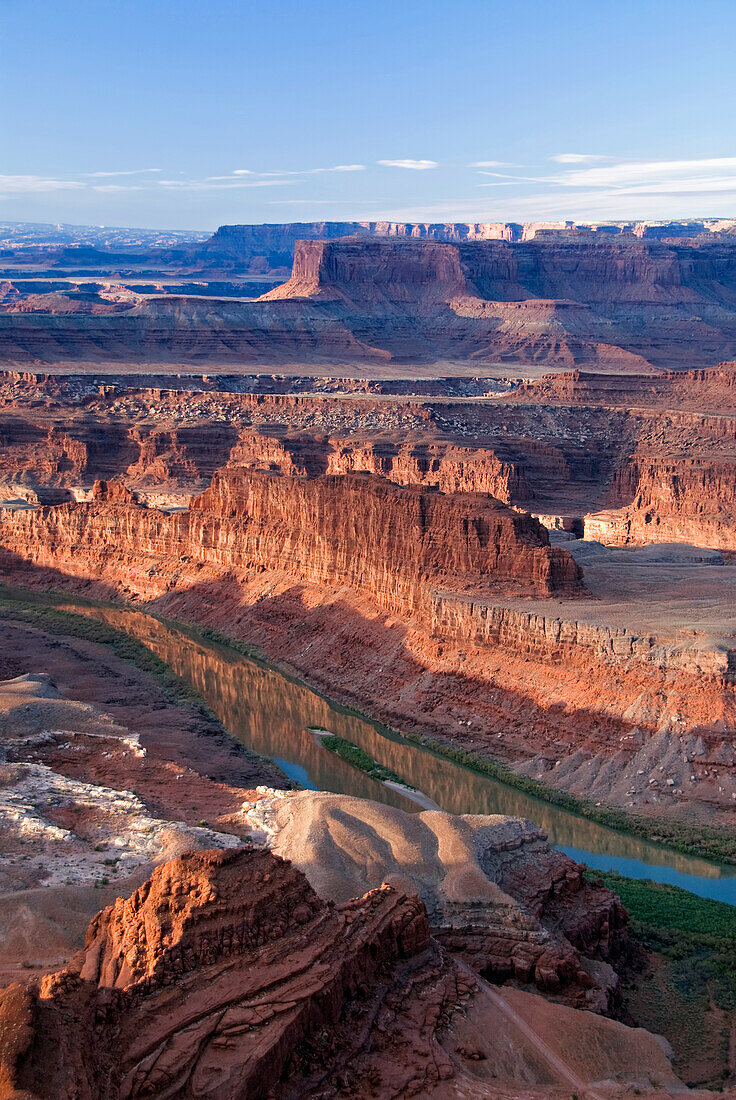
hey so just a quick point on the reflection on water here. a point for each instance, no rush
(271, 714)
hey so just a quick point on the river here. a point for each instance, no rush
(272, 714)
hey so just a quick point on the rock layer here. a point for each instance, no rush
(597, 696)
(221, 976)
(650, 454)
(566, 299)
(392, 544)
(496, 894)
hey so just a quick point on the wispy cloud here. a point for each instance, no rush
(292, 171)
(507, 178)
(221, 183)
(578, 186)
(363, 204)
(637, 177)
(19, 185)
(417, 165)
(343, 168)
(556, 205)
(125, 172)
(113, 188)
(97, 181)
(578, 158)
(667, 176)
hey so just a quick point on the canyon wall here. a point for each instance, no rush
(392, 544)
(442, 465)
(552, 637)
(273, 245)
(691, 501)
(575, 449)
(565, 299)
(639, 459)
(424, 608)
(565, 270)
(371, 273)
(712, 390)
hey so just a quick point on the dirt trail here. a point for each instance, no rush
(564, 1072)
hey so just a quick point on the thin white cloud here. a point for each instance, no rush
(324, 202)
(220, 184)
(112, 188)
(509, 179)
(655, 173)
(657, 177)
(578, 158)
(417, 165)
(97, 182)
(20, 185)
(238, 172)
(126, 172)
(723, 184)
(558, 206)
(492, 164)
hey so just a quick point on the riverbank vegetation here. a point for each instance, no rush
(687, 990)
(61, 622)
(696, 840)
(718, 845)
(359, 758)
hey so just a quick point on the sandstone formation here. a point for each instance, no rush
(496, 894)
(637, 698)
(622, 302)
(225, 974)
(389, 543)
(660, 672)
(677, 480)
(598, 696)
(712, 390)
(564, 450)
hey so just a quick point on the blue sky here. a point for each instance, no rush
(185, 114)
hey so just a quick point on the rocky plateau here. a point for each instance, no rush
(495, 296)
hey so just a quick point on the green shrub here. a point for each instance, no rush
(359, 758)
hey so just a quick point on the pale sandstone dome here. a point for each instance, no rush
(343, 843)
(495, 892)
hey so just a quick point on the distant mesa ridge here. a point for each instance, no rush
(622, 296)
(241, 238)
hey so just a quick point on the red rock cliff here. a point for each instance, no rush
(208, 979)
(391, 544)
(365, 271)
(570, 300)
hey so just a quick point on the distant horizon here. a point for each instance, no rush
(362, 221)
